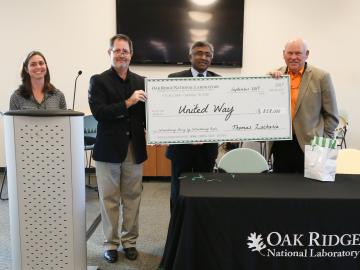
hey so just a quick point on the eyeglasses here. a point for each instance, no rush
(120, 51)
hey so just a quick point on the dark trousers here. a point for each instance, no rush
(194, 163)
(288, 156)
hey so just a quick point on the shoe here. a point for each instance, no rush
(131, 253)
(111, 256)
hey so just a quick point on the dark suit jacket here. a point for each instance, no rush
(117, 124)
(178, 152)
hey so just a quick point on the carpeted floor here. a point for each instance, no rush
(154, 220)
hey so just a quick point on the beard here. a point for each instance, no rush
(121, 65)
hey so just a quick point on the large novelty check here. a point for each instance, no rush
(214, 109)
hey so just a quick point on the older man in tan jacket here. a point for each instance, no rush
(313, 107)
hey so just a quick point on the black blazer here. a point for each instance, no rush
(178, 152)
(117, 124)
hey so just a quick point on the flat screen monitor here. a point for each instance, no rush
(163, 30)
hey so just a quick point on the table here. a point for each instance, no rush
(264, 221)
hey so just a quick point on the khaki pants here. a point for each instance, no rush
(120, 184)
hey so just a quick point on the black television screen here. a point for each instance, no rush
(163, 30)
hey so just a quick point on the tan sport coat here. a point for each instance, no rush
(316, 112)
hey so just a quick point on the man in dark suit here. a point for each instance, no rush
(116, 99)
(199, 157)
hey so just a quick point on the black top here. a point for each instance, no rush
(117, 125)
(53, 100)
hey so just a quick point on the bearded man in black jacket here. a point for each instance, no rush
(116, 99)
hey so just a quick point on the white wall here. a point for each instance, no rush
(74, 35)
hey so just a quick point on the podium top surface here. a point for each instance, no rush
(44, 113)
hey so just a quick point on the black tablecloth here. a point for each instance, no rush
(264, 221)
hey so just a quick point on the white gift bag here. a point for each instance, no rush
(320, 162)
